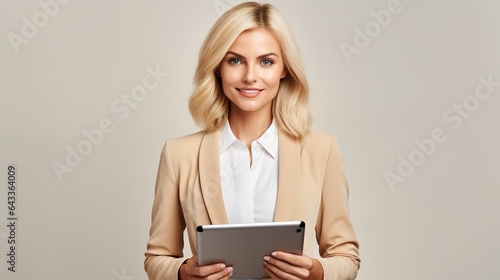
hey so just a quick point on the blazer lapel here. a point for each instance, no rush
(209, 168)
(288, 178)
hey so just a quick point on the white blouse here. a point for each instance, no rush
(249, 191)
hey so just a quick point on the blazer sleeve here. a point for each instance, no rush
(164, 253)
(334, 231)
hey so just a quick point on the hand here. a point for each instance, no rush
(191, 270)
(281, 265)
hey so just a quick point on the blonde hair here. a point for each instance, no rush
(208, 104)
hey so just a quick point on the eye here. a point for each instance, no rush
(234, 61)
(267, 62)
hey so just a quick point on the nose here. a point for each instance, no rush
(250, 75)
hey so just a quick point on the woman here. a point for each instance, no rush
(255, 160)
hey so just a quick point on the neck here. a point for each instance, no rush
(249, 126)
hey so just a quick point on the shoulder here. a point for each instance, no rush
(319, 145)
(187, 141)
(185, 147)
(312, 141)
(317, 140)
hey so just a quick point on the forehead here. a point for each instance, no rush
(258, 40)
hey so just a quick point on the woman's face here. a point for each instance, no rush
(251, 71)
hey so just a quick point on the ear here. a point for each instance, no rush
(284, 74)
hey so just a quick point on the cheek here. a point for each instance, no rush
(272, 78)
(230, 75)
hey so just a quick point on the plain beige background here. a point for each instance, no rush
(69, 68)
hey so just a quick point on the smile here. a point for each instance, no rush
(249, 92)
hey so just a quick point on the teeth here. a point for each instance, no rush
(250, 91)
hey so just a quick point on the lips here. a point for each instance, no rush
(249, 92)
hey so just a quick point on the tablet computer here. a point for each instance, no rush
(243, 246)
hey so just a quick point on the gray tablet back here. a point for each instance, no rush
(243, 246)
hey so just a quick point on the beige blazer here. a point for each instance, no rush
(312, 188)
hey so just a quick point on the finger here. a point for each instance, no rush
(296, 260)
(221, 275)
(203, 271)
(270, 272)
(193, 269)
(281, 262)
(276, 273)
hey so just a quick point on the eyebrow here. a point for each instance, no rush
(260, 56)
